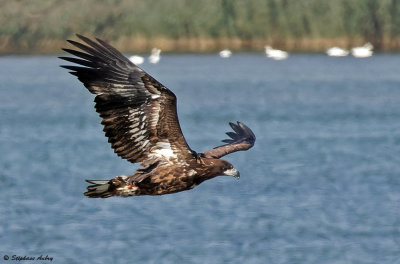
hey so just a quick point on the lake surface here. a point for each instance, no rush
(321, 185)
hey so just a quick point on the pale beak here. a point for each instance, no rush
(232, 172)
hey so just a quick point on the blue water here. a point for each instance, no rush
(321, 185)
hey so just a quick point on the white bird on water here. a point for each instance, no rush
(275, 53)
(155, 55)
(363, 51)
(337, 52)
(225, 53)
(136, 59)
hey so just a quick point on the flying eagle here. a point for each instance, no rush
(140, 120)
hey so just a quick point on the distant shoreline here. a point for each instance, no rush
(194, 45)
(41, 27)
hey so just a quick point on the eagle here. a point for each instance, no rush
(140, 119)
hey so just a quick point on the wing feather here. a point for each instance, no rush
(242, 139)
(138, 113)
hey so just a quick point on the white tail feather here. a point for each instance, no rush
(100, 189)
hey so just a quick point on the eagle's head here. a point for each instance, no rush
(221, 167)
(231, 171)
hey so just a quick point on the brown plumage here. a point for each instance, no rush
(141, 123)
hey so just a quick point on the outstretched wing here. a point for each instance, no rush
(139, 113)
(241, 139)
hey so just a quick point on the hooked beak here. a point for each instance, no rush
(232, 172)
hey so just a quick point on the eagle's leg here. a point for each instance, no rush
(131, 186)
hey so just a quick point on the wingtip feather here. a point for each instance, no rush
(241, 131)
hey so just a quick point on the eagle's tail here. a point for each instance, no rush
(107, 188)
